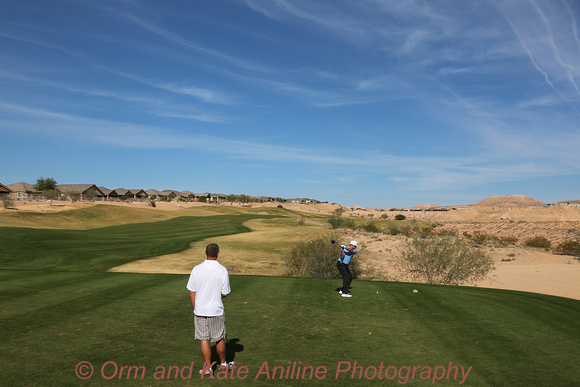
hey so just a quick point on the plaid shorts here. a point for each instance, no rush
(211, 328)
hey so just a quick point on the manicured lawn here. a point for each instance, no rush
(52, 320)
(102, 248)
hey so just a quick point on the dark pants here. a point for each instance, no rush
(346, 276)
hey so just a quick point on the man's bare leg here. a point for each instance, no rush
(220, 347)
(206, 352)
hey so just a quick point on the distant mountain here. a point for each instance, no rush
(509, 201)
(423, 206)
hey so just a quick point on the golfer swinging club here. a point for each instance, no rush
(208, 284)
(346, 254)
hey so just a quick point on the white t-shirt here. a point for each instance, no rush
(209, 280)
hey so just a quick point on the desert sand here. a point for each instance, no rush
(517, 267)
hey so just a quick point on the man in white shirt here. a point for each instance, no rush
(208, 284)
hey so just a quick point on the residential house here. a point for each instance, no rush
(137, 193)
(4, 191)
(171, 193)
(190, 196)
(303, 201)
(152, 192)
(217, 198)
(87, 191)
(23, 191)
(110, 194)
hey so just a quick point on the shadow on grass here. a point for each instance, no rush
(233, 346)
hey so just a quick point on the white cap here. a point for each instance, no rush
(353, 243)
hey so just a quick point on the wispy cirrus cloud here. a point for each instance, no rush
(416, 173)
(549, 37)
(203, 94)
(178, 40)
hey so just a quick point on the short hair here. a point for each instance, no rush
(212, 250)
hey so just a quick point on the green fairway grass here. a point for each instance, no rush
(103, 248)
(59, 307)
(51, 321)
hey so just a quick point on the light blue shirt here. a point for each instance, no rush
(347, 256)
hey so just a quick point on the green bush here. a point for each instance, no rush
(400, 217)
(393, 229)
(405, 230)
(316, 258)
(349, 223)
(371, 227)
(538, 242)
(446, 260)
(569, 247)
(335, 221)
(7, 202)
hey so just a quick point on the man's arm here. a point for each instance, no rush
(192, 299)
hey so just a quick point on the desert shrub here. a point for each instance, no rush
(349, 223)
(316, 258)
(384, 216)
(339, 211)
(538, 242)
(446, 260)
(7, 202)
(301, 221)
(335, 221)
(393, 229)
(507, 241)
(152, 203)
(569, 247)
(480, 238)
(405, 230)
(400, 217)
(441, 232)
(371, 227)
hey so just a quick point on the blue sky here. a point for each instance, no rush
(372, 103)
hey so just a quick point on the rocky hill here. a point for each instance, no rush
(509, 201)
(424, 206)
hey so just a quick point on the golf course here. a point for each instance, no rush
(69, 317)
